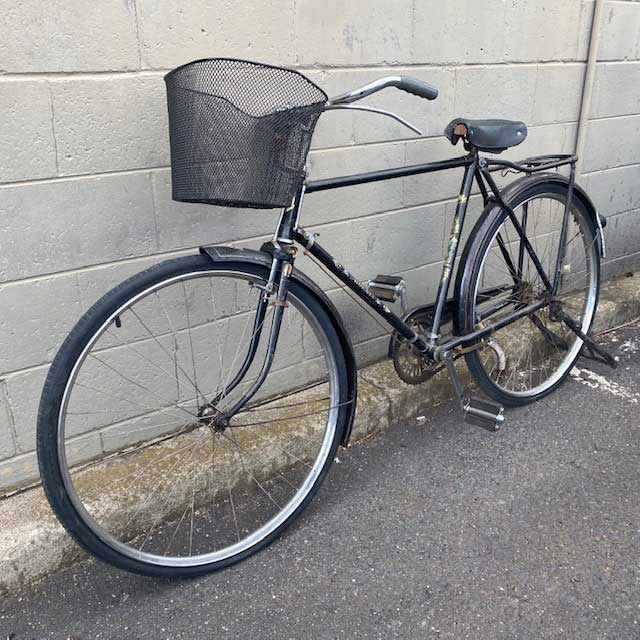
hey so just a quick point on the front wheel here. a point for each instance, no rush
(527, 359)
(132, 459)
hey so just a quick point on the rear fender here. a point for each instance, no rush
(222, 253)
(509, 193)
(599, 221)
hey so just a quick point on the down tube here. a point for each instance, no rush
(327, 260)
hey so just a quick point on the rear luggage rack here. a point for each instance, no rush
(533, 164)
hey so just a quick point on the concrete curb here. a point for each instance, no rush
(33, 544)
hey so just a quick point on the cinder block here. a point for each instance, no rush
(36, 317)
(458, 32)
(335, 128)
(328, 163)
(558, 93)
(350, 202)
(7, 445)
(496, 31)
(53, 226)
(422, 285)
(339, 33)
(584, 29)
(18, 471)
(627, 264)
(182, 225)
(541, 30)
(543, 139)
(174, 33)
(387, 243)
(496, 92)
(27, 144)
(615, 91)
(614, 190)
(68, 36)
(622, 234)
(110, 123)
(429, 187)
(95, 282)
(620, 31)
(612, 143)
(23, 392)
(370, 352)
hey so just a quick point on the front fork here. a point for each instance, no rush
(283, 253)
(280, 273)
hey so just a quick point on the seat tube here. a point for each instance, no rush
(452, 249)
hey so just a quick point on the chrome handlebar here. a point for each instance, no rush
(404, 83)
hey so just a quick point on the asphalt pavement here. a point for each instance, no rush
(433, 529)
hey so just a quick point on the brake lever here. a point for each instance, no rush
(383, 112)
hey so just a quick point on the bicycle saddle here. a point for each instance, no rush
(487, 135)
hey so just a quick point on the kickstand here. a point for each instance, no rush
(598, 354)
(595, 351)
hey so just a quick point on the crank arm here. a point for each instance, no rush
(477, 411)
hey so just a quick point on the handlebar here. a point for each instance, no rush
(404, 83)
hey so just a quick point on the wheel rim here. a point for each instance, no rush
(322, 394)
(529, 357)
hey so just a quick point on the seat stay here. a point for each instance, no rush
(557, 277)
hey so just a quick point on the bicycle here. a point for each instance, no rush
(194, 410)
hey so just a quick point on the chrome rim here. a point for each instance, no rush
(74, 474)
(530, 356)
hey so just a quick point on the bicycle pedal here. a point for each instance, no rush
(389, 289)
(483, 413)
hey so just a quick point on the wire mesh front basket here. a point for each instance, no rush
(240, 132)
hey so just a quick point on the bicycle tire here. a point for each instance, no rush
(52, 397)
(476, 252)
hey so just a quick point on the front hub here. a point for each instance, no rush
(211, 417)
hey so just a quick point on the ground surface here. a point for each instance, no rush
(434, 529)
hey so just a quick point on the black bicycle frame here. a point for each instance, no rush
(475, 168)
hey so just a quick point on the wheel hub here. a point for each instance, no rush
(211, 417)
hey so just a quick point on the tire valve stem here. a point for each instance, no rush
(118, 322)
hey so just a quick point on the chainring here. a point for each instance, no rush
(410, 364)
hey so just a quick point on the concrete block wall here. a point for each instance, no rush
(84, 159)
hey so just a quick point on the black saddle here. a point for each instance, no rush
(487, 135)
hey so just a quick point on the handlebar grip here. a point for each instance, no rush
(417, 88)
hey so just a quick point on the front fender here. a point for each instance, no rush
(223, 253)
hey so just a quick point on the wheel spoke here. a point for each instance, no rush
(538, 351)
(186, 490)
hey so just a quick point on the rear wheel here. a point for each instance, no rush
(132, 459)
(529, 358)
